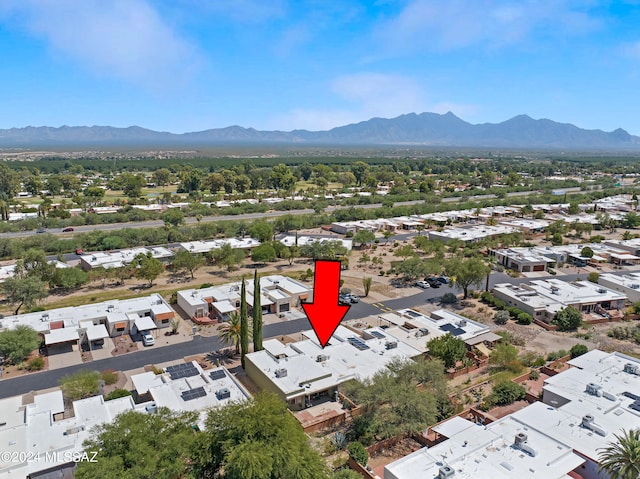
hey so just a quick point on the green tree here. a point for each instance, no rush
(256, 313)
(147, 267)
(346, 474)
(173, 217)
(25, 291)
(366, 285)
(264, 253)
(586, 252)
(162, 177)
(16, 344)
(505, 356)
(259, 439)
(363, 237)
(117, 393)
(404, 252)
(466, 272)
(630, 220)
(411, 269)
(621, 459)
(9, 182)
(448, 349)
(226, 256)
(244, 324)
(567, 319)
(358, 453)
(501, 317)
(505, 393)
(69, 278)
(359, 170)
(261, 230)
(578, 350)
(230, 331)
(573, 209)
(137, 445)
(80, 385)
(187, 262)
(593, 277)
(132, 185)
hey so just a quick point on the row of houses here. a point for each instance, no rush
(561, 436)
(92, 323)
(540, 258)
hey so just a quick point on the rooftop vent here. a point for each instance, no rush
(631, 368)
(110, 308)
(594, 389)
(223, 393)
(602, 290)
(521, 442)
(391, 344)
(462, 323)
(321, 358)
(635, 286)
(281, 373)
(555, 289)
(445, 472)
(422, 332)
(588, 422)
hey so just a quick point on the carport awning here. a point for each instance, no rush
(489, 337)
(224, 307)
(61, 336)
(145, 323)
(97, 331)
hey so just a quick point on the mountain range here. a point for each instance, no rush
(424, 129)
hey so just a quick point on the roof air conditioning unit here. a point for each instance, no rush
(631, 368)
(446, 472)
(321, 358)
(635, 286)
(281, 373)
(521, 438)
(223, 393)
(422, 332)
(602, 290)
(588, 422)
(594, 389)
(462, 323)
(391, 344)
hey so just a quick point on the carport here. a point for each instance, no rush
(96, 332)
(144, 323)
(62, 335)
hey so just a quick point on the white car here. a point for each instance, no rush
(147, 339)
(422, 284)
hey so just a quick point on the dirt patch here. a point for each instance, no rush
(123, 345)
(392, 453)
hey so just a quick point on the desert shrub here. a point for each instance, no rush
(524, 318)
(534, 375)
(358, 452)
(578, 350)
(501, 317)
(109, 377)
(117, 393)
(35, 364)
(449, 298)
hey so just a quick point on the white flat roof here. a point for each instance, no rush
(122, 257)
(61, 335)
(97, 331)
(206, 246)
(488, 452)
(145, 323)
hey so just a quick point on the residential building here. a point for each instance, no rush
(524, 260)
(42, 429)
(303, 372)
(506, 448)
(123, 257)
(201, 247)
(278, 294)
(542, 299)
(627, 284)
(9, 270)
(307, 240)
(91, 322)
(469, 234)
(526, 225)
(187, 387)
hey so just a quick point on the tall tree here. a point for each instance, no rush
(258, 439)
(147, 267)
(159, 445)
(230, 331)
(256, 313)
(621, 459)
(187, 262)
(244, 323)
(25, 291)
(466, 272)
(16, 344)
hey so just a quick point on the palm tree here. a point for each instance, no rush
(230, 331)
(621, 459)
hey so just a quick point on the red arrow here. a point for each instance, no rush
(325, 313)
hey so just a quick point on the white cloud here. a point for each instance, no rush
(433, 24)
(362, 96)
(126, 39)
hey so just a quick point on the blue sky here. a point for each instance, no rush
(188, 65)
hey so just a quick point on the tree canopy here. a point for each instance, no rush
(466, 272)
(16, 344)
(567, 319)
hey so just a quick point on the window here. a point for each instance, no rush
(165, 321)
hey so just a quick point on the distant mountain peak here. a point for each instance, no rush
(424, 129)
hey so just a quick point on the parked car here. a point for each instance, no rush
(79, 251)
(344, 299)
(353, 298)
(433, 282)
(68, 230)
(147, 339)
(41, 230)
(422, 284)
(443, 279)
